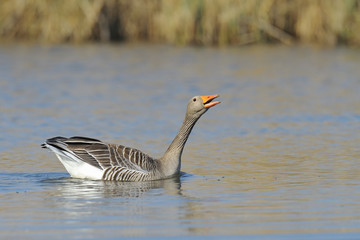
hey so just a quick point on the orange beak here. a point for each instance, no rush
(207, 100)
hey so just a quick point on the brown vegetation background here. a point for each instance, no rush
(200, 22)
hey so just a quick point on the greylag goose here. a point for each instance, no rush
(93, 159)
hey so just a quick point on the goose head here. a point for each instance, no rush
(198, 105)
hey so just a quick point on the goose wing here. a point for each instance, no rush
(102, 155)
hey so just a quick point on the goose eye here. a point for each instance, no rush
(194, 99)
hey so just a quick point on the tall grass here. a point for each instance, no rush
(203, 22)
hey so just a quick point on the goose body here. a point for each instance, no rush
(90, 158)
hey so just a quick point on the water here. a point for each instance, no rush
(277, 159)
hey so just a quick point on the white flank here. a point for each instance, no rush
(76, 167)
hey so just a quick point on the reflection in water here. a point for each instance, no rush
(69, 201)
(80, 188)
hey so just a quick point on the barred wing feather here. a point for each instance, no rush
(118, 162)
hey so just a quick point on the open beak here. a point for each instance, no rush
(207, 100)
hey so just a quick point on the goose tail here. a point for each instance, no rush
(73, 164)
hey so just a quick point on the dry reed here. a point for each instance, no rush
(203, 22)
